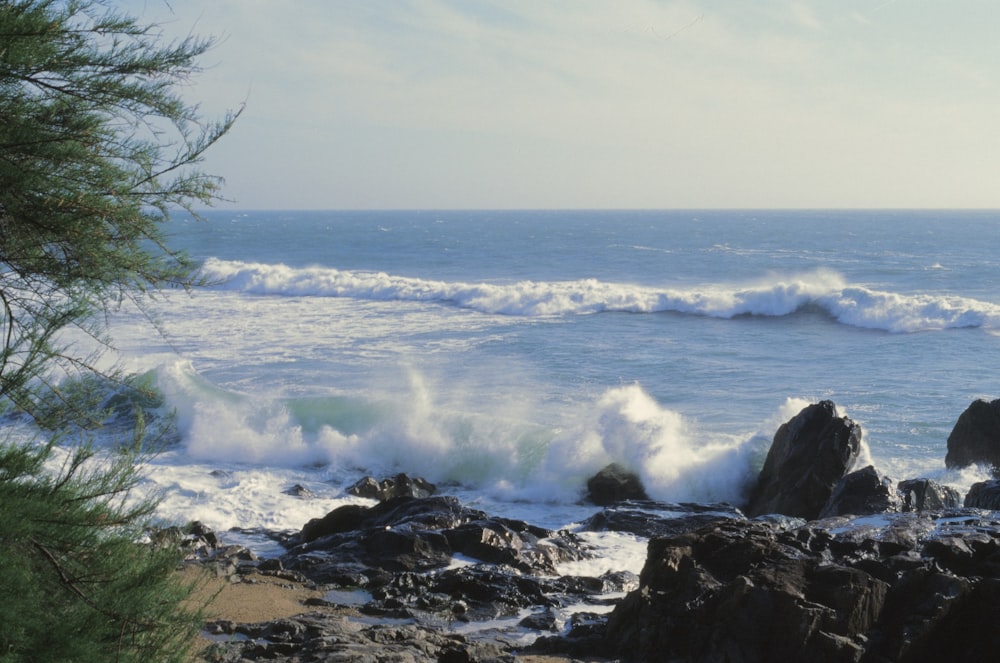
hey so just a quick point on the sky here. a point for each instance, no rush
(540, 104)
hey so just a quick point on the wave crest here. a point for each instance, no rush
(778, 296)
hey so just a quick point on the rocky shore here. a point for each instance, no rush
(821, 563)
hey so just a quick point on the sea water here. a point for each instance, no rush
(509, 355)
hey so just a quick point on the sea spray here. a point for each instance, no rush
(677, 460)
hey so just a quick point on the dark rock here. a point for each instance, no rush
(649, 519)
(927, 495)
(400, 485)
(591, 588)
(615, 484)
(298, 490)
(200, 543)
(342, 519)
(540, 621)
(809, 455)
(321, 637)
(975, 439)
(860, 493)
(490, 592)
(836, 590)
(398, 550)
(587, 625)
(408, 534)
(984, 495)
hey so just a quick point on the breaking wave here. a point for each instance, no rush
(491, 450)
(777, 296)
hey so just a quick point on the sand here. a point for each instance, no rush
(264, 598)
(256, 599)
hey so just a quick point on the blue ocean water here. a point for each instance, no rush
(514, 353)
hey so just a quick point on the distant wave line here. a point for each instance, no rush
(775, 296)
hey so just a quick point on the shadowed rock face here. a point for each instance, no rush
(809, 455)
(401, 485)
(422, 534)
(984, 495)
(862, 492)
(615, 484)
(910, 588)
(975, 439)
(921, 494)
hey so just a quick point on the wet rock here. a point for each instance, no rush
(408, 534)
(649, 519)
(540, 621)
(808, 456)
(925, 494)
(860, 493)
(298, 490)
(323, 637)
(615, 484)
(984, 495)
(343, 519)
(975, 439)
(835, 590)
(401, 485)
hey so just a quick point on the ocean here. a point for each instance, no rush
(509, 355)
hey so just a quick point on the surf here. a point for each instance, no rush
(774, 296)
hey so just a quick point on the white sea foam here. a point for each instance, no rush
(777, 295)
(509, 456)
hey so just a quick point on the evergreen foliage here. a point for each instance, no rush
(96, 148)
(77, 584)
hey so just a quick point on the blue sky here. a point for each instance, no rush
(436, 104)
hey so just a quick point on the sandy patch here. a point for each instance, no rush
(254, 599)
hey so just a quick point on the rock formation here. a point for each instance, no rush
(861, 493)
(809, 455)
(975, 439)
(890, 572)
(911, 589)
(401, 485)
(615, 484)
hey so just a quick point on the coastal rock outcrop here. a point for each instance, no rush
(614, 484)
(401, 485)
(860, 493)
(832, 566)
(975, 439)
(650, 519)
(984, 495)
(318, 637)
(421, 534)
(912, 588)
(925, 494)
(810, 453)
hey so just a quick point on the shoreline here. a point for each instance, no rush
(260, 598)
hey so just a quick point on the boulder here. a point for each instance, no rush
(984, 495)
(420, 534)
(298, 490)
(615, 484)
(975, 439)
(809, 455)
(649, 519)
(861, 493)
(925, 494)
(758, 590)
(401, 485)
